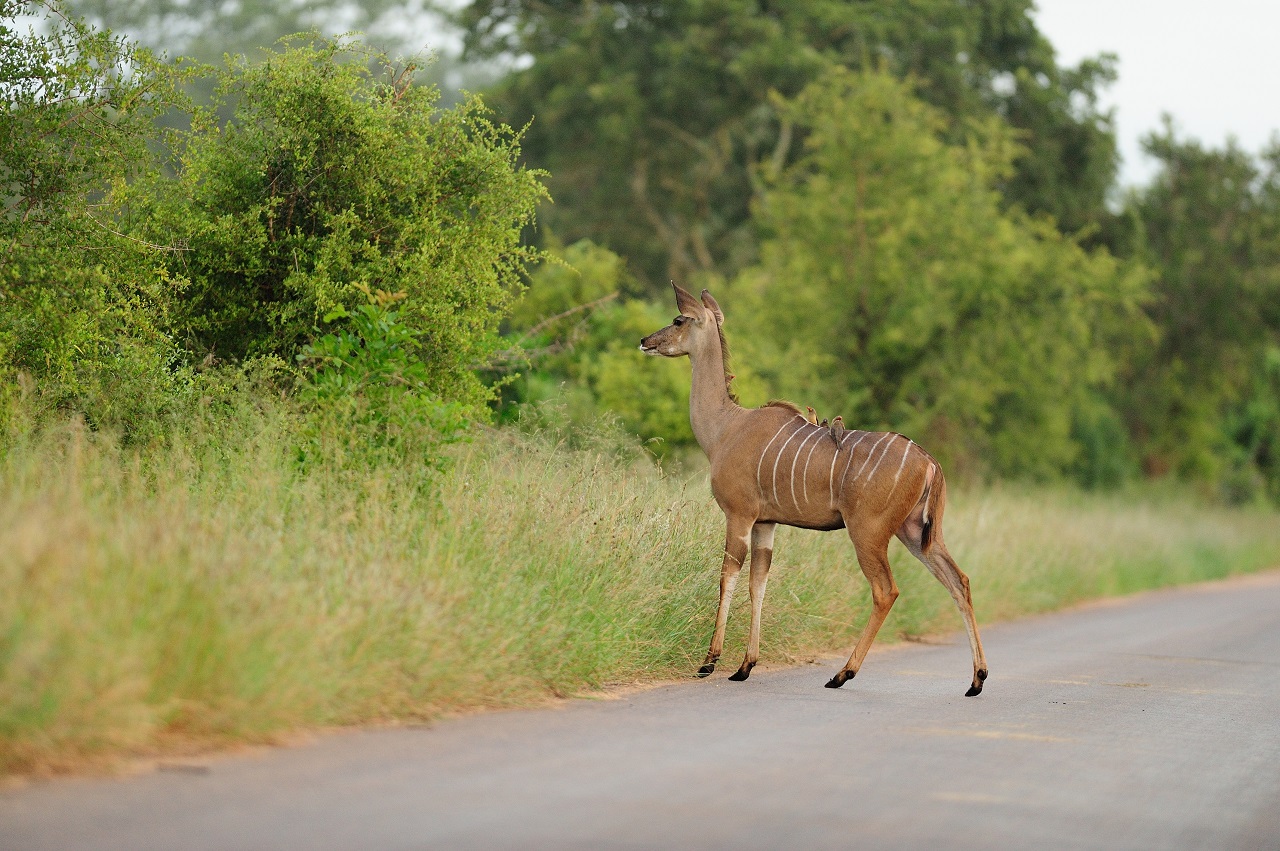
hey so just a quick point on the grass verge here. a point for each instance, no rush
(204, 594)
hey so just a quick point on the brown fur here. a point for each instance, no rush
(770, 465)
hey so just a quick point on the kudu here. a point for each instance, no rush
(772, 465)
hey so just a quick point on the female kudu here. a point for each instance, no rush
(771, 465)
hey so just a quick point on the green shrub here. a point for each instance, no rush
(81, 306)
(581, 333)
(368, 393)
(336, 175)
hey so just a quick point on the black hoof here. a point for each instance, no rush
(979, 678)
(705, 670)
(840, 679)
(740, 674)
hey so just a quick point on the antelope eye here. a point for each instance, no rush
(679, 320)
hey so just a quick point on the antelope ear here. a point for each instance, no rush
(689, 306)
(710, 304)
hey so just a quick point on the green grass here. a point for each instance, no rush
(207, 593)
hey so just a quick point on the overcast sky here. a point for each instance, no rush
(1214, 66)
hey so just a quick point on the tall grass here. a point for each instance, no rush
(207, 592)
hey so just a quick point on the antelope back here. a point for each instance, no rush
(819, 477)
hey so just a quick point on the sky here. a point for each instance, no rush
(1213, 66)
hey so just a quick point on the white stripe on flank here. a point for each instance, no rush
(872, 474)
(759, 483)
(905, 453)
(896, 475)
(869, 454)
(831, 474)
(848, 464)
(804, 477)
(795, 461)
(773, 480)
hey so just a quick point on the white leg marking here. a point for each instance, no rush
(847, 464)
(804, 425)
(759, 483)
(794, 461)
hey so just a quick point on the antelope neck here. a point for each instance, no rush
(710, 408)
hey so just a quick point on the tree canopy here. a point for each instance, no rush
(656, 119)
(894, 288)
(1202, 400)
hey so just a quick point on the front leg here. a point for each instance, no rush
(761, 556)
(737, 533)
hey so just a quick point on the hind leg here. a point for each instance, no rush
(874, 560)
(945, 570)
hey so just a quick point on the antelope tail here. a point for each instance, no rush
(935, 500)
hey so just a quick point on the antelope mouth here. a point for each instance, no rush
(649, 350)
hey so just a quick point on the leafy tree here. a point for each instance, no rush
(332, 179)
(81, 305)
(655, 119)
(895, 290)
(1209, 224)
(206, 31)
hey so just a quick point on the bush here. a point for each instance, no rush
(81, 306)
(337, 176)
(368, 397)
(581, 335)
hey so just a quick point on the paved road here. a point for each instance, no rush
(1149, 723)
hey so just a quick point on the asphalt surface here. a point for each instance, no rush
(1148, 723)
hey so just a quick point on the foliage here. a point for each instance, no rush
(331, 178)
(579, 324)
(81, 306)
(654, 117)
(208, 31)
(126, 279)
(1210, 226)
(894, 289)
(369, 394)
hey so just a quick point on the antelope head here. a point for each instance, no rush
(698, 321)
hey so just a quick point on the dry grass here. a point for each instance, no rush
(205, 594)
